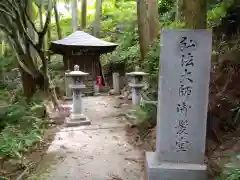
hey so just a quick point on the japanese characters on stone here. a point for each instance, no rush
(187, 48)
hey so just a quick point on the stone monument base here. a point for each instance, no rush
(73, 121)
(172, 171)
(67, 98)
(96, 94)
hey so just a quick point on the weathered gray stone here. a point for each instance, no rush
(77, 117)
(136, 84)
(71, 122)
(196, 99)
(116, 83)
(68, 81)
(182, 104)
(173, 171)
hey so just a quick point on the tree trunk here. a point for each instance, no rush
(84, 14)
(31, 31)
(2, 54)
(28, 83)
(179, 11)
(143, 27)
(195, 14)
(49, 35)
(3, 47)
(74, 15)
(153, 20)
(21, 31)
(41, 23)
(98, 15)
(57, 21)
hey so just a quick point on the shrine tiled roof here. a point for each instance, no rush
(82, 40)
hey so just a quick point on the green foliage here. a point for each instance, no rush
(218, 12)
(65, 25)
(3, 178)
(128, 52)
(56, 65)
(150, 111)
(165, 6)
(123, 16)
(21, 123)
(24, 128)
(125, 56)
(56, 71)
(14, 140)
(7, 63)
(122, 29)
(232, 171)
(151, 63)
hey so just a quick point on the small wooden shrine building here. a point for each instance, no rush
(84, 50)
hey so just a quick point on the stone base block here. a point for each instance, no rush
(69, 122)
(67, 98)
(104, 89)
(173, 171)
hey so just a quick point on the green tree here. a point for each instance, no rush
(74, 9)
(16, 21)
(84, 14)
(57, 20)
(148, 25)
(98, 16)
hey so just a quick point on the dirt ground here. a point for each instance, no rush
(100, 151)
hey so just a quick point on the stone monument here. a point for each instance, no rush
(136, 84)
(116, 83)
(68, 81)
(182, 106)
(77, 117)
(96, 88)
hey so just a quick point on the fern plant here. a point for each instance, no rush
(232, 171)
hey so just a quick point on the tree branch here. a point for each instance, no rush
(48, 17)
(29, 20)
(11, 4)
(57, 20)
(4, 28)
(43, 32)
(20, 35)
(23, 66)
(6, 11)
(14, 30)
(40, 7)
(24, 31)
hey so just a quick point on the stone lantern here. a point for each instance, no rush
(77, 117)
(136, 83)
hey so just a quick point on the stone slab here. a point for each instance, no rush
(104, 89)
(72, 123)
(136, 85)
(183, 95)
(96, 94)
(172, 171)
(67, 98)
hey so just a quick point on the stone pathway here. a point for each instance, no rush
(96, 152)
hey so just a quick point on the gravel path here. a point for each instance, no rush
(96, 152)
